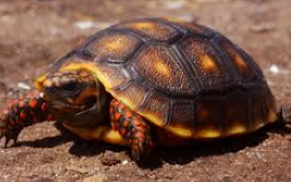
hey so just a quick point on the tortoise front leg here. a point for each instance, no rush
(133, 128)
(22, 113)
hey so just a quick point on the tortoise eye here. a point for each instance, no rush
(71, 88)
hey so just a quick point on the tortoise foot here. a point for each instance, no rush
(141, 144)
(7, 130)
(21, 113)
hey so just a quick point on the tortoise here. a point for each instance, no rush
(149, 82)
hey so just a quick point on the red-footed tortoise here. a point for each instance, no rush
(150, 82)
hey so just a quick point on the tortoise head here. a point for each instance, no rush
(73, 96)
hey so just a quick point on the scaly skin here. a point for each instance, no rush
(21, 113)
(132, 127)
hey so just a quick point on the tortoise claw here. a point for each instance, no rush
(11, 136)
(8, 138)
(6, 130)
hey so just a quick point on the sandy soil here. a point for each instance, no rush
(34, 33)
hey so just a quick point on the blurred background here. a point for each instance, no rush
(34, 33)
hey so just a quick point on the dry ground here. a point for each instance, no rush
(33, 33)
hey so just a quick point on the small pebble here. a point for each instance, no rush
(41, 94)
(124, 162)
(110, 158)
(23, 86)
(262, 28)
(188, 18)
(176, 4)
(85, 24)
(274, 69)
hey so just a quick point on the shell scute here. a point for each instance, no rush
(205, 60)
(243, 66)
(132, 94)
(112, 76)
(236, 110)
(264, 109)
(151, 30)
(182, 113)
(157, 109)
(160, 69)
(209, 114)
(193, 28)
(113, 47)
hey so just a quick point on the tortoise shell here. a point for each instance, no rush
(182, 77)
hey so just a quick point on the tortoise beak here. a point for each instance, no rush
(38, 83)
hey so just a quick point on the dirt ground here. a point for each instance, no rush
(34, 33)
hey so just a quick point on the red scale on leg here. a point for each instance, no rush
(43, 107)
(13, 122)
(15, 108)
(23, 115)
(126, 123)
(33, 103)
(139, 135)
(123, 131)
(128, 114)
(50, 117)
(22, 104)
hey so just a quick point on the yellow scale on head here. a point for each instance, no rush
(38, 83)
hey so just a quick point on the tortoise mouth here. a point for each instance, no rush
(74, 115)
(62, 107)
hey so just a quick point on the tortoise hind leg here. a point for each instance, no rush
(133, 128)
